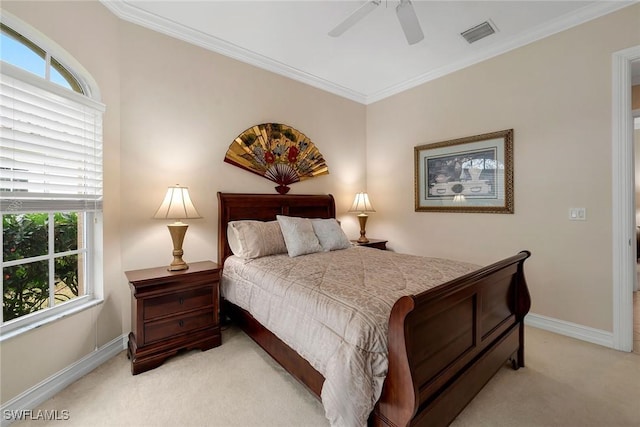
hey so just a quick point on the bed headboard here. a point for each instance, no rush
(265, 207)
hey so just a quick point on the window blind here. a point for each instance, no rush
(50, 146)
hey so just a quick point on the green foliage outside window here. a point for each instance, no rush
(26, 286)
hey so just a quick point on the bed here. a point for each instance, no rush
(443, 344)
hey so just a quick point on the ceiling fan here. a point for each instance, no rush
(406, 16)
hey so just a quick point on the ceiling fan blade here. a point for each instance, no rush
(357, 15)
(409, 22)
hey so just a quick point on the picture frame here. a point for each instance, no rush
(472, 174)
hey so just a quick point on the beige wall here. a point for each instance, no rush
(562, 154)
(182, 106)
(172, 111)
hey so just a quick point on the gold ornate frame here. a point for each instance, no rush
(472, 174)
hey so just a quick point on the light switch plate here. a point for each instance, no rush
(578, 214)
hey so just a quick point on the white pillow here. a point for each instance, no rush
(254, 239)
(298, 235)
(330, 234)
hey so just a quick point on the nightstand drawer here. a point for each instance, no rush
(177, 302)
(167, 328)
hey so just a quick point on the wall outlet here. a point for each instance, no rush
(578, 214)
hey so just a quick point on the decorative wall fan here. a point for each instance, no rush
(406, 16)
(277, 152)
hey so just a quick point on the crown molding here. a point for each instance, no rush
(165, 26)
(563, 23)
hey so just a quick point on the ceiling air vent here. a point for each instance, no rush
(478, 32)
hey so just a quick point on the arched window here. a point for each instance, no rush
(23, 53)
(50, 180)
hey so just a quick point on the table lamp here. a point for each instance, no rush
(177, 205)
(361, 204)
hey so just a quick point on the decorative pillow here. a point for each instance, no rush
(298, 235)
(254, 239)
(330, 234)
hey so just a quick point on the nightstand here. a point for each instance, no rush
(373, 243)
(172, 311)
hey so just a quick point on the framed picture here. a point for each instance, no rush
(472, 174)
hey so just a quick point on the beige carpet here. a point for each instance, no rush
(566, 383)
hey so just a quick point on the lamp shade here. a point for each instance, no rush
(361, 203)
(177, 205)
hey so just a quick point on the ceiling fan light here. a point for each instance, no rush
(409, 22)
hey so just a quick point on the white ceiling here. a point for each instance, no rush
(370, 61)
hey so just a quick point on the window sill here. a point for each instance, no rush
(19, 330)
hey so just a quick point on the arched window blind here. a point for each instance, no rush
(50, 146)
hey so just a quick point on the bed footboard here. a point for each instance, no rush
(446, 343)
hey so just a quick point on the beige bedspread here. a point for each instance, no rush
(333, 309)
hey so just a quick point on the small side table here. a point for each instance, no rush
(171, 311)
(373, 243)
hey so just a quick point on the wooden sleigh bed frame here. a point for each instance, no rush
(444, 344)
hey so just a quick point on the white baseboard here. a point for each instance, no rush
(46, 389)
(573, 330)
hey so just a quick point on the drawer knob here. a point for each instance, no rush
(181, 300)
(181, 323)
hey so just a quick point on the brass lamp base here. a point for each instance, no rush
(177, 231)
(362, 219)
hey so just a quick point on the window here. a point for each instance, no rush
(21, 52)
(28, 263)
(50, 180)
